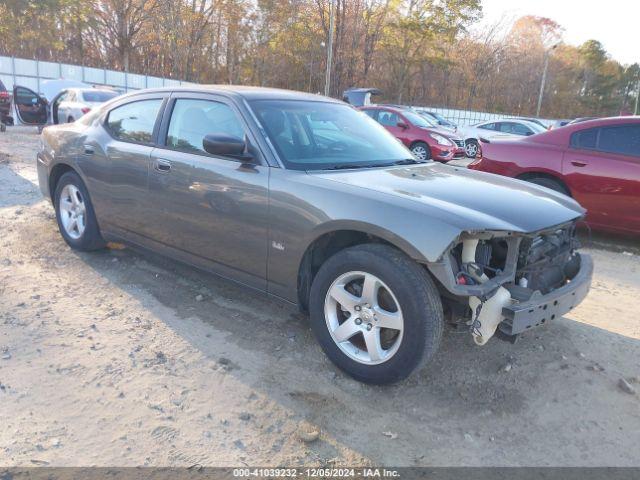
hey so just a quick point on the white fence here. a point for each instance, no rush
(30, 74)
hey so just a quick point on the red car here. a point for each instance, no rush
(424, 139)
(597, 162)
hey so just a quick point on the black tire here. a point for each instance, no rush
(418, 298)
(469, 145)
(70, 120)
(550, 183)
(90, 238)
(422, 147)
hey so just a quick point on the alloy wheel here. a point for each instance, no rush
(72, 211)
(420, 152)
(364, 318)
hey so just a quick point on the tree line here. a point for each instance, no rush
(420, 52)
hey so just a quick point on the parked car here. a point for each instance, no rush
(437, 118)
(421, 137)
(597, 162)
(311, 201)
(54, 103)
(5, 107)
(491, 129)
(537, 121)
(72, 103)
(559, 123)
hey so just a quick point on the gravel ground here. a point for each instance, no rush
(121, 358)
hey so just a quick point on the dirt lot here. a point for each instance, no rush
(122, 358)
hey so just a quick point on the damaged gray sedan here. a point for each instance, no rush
(312, 202)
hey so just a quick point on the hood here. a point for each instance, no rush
(468, 199)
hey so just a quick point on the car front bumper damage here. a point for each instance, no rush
(539, 309)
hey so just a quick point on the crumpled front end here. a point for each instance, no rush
(511, 282)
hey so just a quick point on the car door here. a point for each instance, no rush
(603, 167)
(212, 207)
(30, 107)
(131, 129)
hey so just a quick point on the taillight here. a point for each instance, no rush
(4, 95)
(85, 110)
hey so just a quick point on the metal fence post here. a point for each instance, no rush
(13, 70)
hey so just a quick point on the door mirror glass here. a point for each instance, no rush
(402, 125)
(31, 108)
(224, 145)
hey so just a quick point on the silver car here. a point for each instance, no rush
(312, 202)
(73, 103)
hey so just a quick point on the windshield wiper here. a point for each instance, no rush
(409, 161)
(346, 166)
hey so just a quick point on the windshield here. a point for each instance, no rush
(419, 120)
(322, 135)
(98, 96)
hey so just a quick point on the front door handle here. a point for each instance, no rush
(162, 166)
(577, 163)
(89, 150)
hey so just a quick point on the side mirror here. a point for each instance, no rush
(402, 125)
(226, 146)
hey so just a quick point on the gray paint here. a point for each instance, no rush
(253, 223)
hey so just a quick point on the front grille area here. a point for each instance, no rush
(545, 261)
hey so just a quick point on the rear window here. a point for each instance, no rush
(624, 140)
(134, 122)
(585, 139)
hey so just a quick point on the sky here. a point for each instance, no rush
(612, 22)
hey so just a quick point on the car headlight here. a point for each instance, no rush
(441, 140)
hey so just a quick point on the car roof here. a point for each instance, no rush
(246, 92)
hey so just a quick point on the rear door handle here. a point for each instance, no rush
(89, 150)
(162, 166)
(576, 163)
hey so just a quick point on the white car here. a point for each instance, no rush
(503, 128)
(73, 103)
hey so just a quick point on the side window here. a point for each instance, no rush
(585, 139)
(371, 113)
(489, 126)
(71, 96)
(134, 122)
(624, 140)
(520, 129)
(192, 120)
(388, 119)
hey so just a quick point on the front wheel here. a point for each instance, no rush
(376, 313)
(421, 151)
(471, 147)
(74, 213)
(70, 120)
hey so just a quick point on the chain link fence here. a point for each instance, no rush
(469, 117)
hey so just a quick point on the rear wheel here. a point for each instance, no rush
(70, 120)
(421, 151)
(376, 313)
(75, 215)
(549, 183)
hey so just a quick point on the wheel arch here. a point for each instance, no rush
(530, 174)
(331, 242)
(57, 172)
